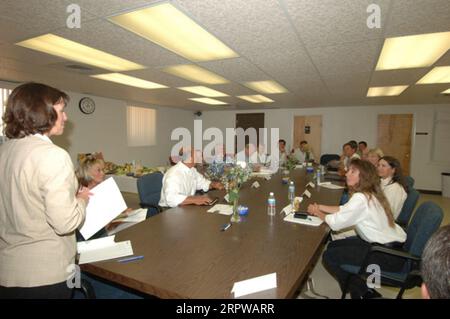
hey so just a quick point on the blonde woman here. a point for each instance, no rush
(90, 171)
(369, 212)
(374, 155)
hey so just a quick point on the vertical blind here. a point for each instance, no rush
(441, 137)
(141, 126)
(4, 93)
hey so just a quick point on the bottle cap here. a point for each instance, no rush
(271, 193)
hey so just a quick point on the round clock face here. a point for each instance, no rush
(87, 105)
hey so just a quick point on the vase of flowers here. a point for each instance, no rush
(234, 175)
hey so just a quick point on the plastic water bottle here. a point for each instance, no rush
(271, 204)
(291, 193)
(318, 176)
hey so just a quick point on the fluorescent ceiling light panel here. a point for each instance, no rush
(195, 73)
(255, 98)
(439, 74)
(266, 87)
(70, 50)
(168, 27)
(386, 90)
(203, 90)
(128, 80)
(446, 92)
(413, 51)
(208, 101)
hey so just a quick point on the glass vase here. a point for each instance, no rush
(235, 217)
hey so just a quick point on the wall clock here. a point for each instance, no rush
(87, 105)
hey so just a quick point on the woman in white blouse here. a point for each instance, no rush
(392, 183)
(369, 212)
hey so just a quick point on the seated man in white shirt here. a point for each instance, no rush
(349, 153)
(181, 182)
(303, 153)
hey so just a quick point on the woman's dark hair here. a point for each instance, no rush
(29, 109)
(398, 172)
(369, 185)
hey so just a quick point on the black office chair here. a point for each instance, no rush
(149, 189)
(326, 158)
(425, 222)
(408, 208)
(409, 181)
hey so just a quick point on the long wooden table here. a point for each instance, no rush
(186, 255)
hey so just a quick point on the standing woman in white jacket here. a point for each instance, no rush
(392, 183)
(369, 212)
(40, 205)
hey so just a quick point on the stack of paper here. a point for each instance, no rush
(253, 285)
(104, 205)
(221, 209)
(126, 220)
(330, 185)
(102, 249)
(310, 220)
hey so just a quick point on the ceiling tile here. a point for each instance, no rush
(397, 77)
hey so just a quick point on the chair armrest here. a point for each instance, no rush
(146, 205)
(393, 252)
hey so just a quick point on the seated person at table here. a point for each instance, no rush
(435, 269)
(90, 171)
(374, 156)
(249, 155)
(348, 154)
(182, 181)
(303, 153)
(392, 183)
(263, 157)
(362, 150)
(283, 155)
(369, 212)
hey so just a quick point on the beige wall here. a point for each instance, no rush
(341, 124)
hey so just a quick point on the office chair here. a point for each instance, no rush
(408, 208)
(425, 222)
(149, 189)
(326, 158)
(409, 182)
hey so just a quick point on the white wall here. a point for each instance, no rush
(341, 124)
(106, 130)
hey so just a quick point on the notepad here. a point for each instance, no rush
(311, 220)
(329, 185)
(257, 284)
(103, 249)
(221, 209)
(105, 204)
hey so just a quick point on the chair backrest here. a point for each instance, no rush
(408, 207)
(325, 158)
(409, 182)
(426, 221)
(149, 188)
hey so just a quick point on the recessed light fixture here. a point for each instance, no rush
(446, 92)
(203, 90)
(386, 90)
(439, 74)
(413, 51)
(195, 73)
(128, 80)
(255, 98)
(70, 50)
(170, 28)
(266, 87)
(209, 101)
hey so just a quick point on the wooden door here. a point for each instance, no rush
(248, 120)
(309, 128)
(394, 137)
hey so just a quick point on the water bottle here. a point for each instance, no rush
(318, 176)
(291, 193)
(271, 210)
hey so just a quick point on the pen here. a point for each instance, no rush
(225, 227)
(133, 258)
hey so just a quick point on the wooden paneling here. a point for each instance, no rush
(394, 137)
(314, 137)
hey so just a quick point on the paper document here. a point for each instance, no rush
(330, 186)
(253, 285)
(307, 193)
(221, 209)
(102, 249)
(127, 220)
(311, 220)
(105, 204)
(255, 184)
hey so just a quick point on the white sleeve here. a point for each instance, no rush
(349, 214)
(396, 196)
(201, 182)
(173, 191)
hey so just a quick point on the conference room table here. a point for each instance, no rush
(187, 255)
